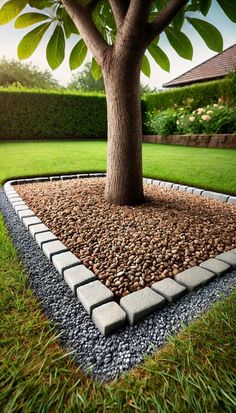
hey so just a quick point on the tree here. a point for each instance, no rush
(118, 33)
(85, 81)
(16, 73)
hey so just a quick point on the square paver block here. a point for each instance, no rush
(149, 181)
(12, 193)
(28, 221)
(26, 213)
(139, 304)
(216, 266)
(14, 198)
(194, 277)
(215, 195)
(108, 317)
(20, 207)
(64, 260)
(43, 237)
(232, 200)
(175, 186)
(18, 202)
(197, 191)
(55, 178)
(94, 294)
(156, 182)
(183, 188)
(190, 189)
(77, 276)
(168, 185)
(169, 288)
(53, 247)
(36, 229)
(82, 176)
(228, 257)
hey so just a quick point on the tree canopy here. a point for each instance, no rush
(104, 19)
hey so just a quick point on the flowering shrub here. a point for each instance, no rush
(161, 123)
(215, 118)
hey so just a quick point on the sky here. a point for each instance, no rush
(10, 37)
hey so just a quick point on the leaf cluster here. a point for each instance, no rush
(48, 16)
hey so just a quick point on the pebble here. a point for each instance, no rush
(149, 241)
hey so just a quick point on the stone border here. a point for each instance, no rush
(96, 298)
(213, 140)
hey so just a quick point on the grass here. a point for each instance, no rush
(194, 372)
(213, 169)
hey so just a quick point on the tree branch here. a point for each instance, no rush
(165, 17)
(138, 13)
(89, 32)
(119, 10)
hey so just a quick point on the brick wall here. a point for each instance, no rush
(211, 141)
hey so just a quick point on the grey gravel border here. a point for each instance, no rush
(93, 294)
(104, 358)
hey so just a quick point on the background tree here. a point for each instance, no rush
(118, 34)
(13, 72)
(85, 81)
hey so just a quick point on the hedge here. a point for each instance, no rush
(30, 114)
(40, 114)
(194, 96)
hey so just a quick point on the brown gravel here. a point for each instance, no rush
(129, 248)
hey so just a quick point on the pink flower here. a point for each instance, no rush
(206, 117)
(201, 110)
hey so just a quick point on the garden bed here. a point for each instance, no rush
(129, 248)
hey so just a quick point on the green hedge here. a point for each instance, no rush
(30, 114)
(194, 96)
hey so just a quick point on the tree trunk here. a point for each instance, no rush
(124, 161)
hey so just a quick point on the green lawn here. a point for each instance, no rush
(202, 167)
(195, 372)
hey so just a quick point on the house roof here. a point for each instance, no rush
(214, 68)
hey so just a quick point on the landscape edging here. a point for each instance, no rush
(149, 299)
(214, 140)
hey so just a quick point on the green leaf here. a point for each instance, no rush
(10, 10)
(41, 4)
(31, 40)
(69, 27)
(78, 55)
(178, 20)
(55, 51)
(96, 70)
(229, 8)
(159, 56)
(209, 33)
(27, 19)
(145, 67)
(204, 6)
(180, 42)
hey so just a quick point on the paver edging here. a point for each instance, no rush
(71, 271)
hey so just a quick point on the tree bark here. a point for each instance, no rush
(124, 161)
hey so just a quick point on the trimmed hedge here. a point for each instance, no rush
(42, 114)
(29, 114)
(194, 96)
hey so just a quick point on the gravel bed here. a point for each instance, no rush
(103, 358)
(129, 248)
